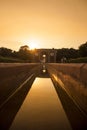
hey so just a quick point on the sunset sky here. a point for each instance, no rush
(46, 23)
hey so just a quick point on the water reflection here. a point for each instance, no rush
(41, 110)
(43, 73)
(44, 69)
(10, 109)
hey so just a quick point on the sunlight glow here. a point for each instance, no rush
(33, 45)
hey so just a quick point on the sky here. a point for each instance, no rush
(43, 23)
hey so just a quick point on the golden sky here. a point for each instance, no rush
(48, 23)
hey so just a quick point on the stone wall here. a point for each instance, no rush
(77, 71)
(12, 75)
(73, 79)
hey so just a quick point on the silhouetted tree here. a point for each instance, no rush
(66, 53)
(15, 54)
(24, 53)
(5, 52)
(24, 48)
(74, 53)
(83, 50)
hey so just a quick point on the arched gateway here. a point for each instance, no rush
(46, 55)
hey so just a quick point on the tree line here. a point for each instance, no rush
(27, 55)
(23, 53)
(72, 53)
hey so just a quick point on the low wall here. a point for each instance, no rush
(15, 69)
(73, 79)
(77, 71)
(12, 75)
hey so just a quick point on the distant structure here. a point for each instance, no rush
(46, 55)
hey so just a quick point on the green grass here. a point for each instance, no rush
(9, 59)
(79, 60)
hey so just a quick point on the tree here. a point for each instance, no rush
(83, 50)
(24, 48)
(5, 52)
(67, 53)
(24, 53)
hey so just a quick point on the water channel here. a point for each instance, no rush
(42, 108)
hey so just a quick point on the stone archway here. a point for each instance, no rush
(43, 56)
(47, 55)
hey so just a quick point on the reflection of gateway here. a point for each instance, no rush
(46, 55)
(43, 73)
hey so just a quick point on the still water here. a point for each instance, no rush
(41, 109)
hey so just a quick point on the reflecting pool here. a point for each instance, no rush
(41, 109)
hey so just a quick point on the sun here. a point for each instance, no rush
(33, 45)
